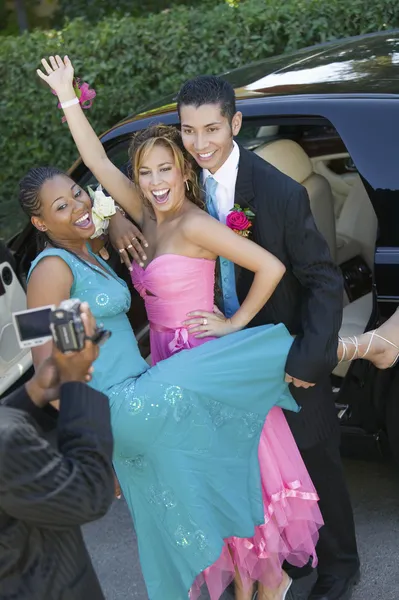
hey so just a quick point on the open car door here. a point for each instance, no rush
(14, 362)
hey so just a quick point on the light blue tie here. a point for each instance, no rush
(227, 272)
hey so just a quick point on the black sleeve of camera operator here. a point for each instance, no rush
(58, 489)
(45, 417)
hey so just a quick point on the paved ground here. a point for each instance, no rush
(375, 495)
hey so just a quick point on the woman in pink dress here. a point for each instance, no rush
(173, 286)
(179, 278)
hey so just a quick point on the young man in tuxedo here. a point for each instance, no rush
(46, 492)
(308, 301)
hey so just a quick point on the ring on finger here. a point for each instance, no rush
(205, 321)
(134, 239)
(121, 250)
(129, 246)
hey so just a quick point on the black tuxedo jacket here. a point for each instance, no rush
(46, 494)
(309, 298)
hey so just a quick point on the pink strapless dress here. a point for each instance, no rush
(172, 286)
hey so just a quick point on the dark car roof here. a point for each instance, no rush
(367, 64)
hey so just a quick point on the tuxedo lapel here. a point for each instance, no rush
(244, 192)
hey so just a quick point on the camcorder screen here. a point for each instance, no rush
(33, 324)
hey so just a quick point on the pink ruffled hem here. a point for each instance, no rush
(292, 519)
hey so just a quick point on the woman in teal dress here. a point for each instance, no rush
(187, 430)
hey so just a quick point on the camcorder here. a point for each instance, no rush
(62, 324)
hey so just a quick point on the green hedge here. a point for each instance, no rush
(94, 10)
(133, 61)
(91, 10)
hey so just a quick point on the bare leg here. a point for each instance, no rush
(381, 347)
(240, 591)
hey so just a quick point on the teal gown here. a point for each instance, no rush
(186, 432)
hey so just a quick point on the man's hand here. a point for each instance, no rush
(298, 382)
(60, 368)
(77, 366)
(127, 239)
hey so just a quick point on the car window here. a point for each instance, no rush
(254, 134)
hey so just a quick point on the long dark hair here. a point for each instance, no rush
(29, 198)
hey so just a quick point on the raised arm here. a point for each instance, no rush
(217, 239)
(59, 76)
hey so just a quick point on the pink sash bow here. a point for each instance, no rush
(180, 338)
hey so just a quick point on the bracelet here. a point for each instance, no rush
(70, 103)
(120, 210)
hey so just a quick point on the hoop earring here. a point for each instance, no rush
(187, 186)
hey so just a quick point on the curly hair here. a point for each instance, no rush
(169, 137)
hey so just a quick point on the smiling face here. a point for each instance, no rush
(65, 211)
(160, 177)
(207, 134)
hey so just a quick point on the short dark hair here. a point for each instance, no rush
(208, 89)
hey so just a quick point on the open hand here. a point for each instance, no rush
(127, 239)
(209, 324)
(44, 387)
(59, 74)
(77, 366)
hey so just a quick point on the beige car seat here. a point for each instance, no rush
(357, 227)
(289, 158)
(357, 224)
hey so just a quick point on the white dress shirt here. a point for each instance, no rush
(226, 178)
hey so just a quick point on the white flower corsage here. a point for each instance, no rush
(103, 209)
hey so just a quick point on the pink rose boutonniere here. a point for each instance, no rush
(240, 220)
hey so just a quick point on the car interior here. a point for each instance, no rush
(315, 156)
(309, 151)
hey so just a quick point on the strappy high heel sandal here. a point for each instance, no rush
(353, 340)
(374, 334)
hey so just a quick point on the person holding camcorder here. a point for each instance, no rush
(46, 494)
